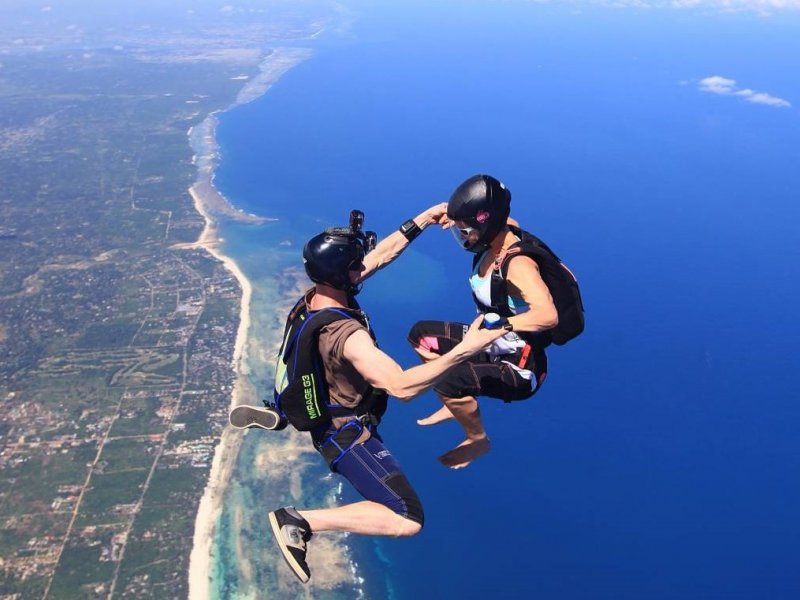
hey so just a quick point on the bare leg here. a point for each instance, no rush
(366, 517)
(438, 416)
(476, 443)
(443, 414)
(466, 412)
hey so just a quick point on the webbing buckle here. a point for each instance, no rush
(368, 420)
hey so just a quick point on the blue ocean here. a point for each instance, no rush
(656, 151)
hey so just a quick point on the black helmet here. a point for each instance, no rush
(483, 204)
(330, 256)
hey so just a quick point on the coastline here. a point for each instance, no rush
(227, 448)
(210, 204)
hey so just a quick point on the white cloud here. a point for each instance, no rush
(717, 85)
(762, 98)
(763, 7)
(725, 4)
(227, 8)
(727, 87)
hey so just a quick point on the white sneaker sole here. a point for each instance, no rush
(287, 555)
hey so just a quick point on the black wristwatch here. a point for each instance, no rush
(410, 230)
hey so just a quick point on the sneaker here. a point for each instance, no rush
(245, 417)
(292, 532)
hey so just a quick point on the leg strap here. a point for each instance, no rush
(334, 446)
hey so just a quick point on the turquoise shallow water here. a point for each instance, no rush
(659, 460)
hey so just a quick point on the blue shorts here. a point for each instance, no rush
(377, 476)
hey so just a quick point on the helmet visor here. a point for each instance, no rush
(465, 236)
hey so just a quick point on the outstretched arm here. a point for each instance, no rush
(390, 247)
(382, 372)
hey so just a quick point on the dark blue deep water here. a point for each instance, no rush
(661, 459)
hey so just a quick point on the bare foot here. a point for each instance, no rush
(440, 416)
(463, 454)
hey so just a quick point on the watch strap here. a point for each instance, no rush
(410, 230)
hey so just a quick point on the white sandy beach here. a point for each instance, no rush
(210, 203)
(225, 453)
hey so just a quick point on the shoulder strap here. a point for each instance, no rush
(476, 259)
(309, 328)
(307, 337)
(300, 311)
(302, 394)
(495, 292)
(528, 245)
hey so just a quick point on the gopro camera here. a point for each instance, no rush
(356, 220)
(370, 239)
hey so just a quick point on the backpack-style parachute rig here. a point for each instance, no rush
(558, 278)
(301, 393)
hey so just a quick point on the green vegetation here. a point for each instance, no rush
(37, 476)
(140, 416)
(81, 573)
(111, 497)
(127, 454)
(105, 324)
(108, 335)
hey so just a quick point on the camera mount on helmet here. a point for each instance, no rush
(368, 238)
(331, 256)
(356, 220)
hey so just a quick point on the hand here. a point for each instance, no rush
(477, 339)
(435, 214)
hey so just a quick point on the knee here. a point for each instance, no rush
(421, 338)
(405, 527)
(409, 516)
(416, 333)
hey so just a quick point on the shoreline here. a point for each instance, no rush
(225, 453)
(210, 204)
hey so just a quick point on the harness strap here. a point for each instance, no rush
(504, 257)
(338, 443)
(533, 359)
(523, 357)
(370, 409)
(337, 410)
(559, 280)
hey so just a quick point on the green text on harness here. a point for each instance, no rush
(301, 391)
